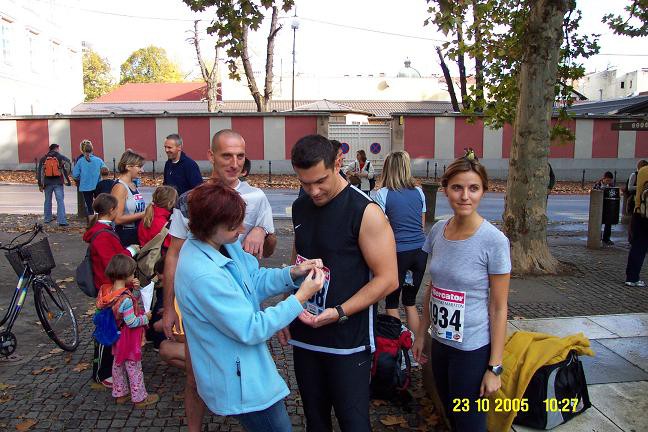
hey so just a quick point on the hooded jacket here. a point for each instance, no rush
(160, 218)
(103, 248)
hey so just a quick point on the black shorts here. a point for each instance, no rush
(88, 197)
(414, 260)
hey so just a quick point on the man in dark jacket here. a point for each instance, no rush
(53, 170)
(180, 171)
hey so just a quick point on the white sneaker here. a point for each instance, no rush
(639, 284)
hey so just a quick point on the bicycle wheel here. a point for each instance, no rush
(56, 315)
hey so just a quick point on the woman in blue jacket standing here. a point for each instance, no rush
(219, 289)
(87, 173)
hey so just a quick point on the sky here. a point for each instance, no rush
(333, 38)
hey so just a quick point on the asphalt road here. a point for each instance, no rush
(26, 199)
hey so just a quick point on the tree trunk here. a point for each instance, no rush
(525, 221)
(274, 29)
(210, 77)
(249, 73)
(463, 87)
(479, 60)
(448, 80)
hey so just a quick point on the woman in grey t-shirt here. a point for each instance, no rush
(466, 302)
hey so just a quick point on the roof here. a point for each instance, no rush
(627, 105)
(377, 108)
(326, 105)
(151, 92)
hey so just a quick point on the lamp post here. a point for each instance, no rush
(294, 25)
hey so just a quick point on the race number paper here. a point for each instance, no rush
(448, 309)
(317, 303)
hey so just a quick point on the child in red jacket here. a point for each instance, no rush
(157, 215)
(104, 244)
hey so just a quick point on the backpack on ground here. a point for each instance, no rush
(389, 379)
(643, 203)
(150, 253)
(556, 394)
(84, 275)
(52, 167)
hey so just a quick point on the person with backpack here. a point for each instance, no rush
(404, 204)
(121, 297)
(631, 187)
(467, 299)
(157, 215)
(638, 232)
(607, 181)
(52, 172)
(87, 174)
(131, 205)
(363, 170)
(104, 244)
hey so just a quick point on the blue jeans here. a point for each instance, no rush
(272, 419)
(60, 205)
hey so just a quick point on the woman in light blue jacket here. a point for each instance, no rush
(87, 173)
(219, 289)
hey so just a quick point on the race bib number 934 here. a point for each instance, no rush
(448, 308)
(317, 303)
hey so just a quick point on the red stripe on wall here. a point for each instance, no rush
(251, 128)
(468, 135)
(564, 149)
(297, 127)
(507, 140)
(641, 144)
(195, 136)
(91, 129)
(139, 135)
(33, 139)
(418, 137)
(605, 141)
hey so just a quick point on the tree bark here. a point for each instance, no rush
(274, 29)
(209, 76)
(249, 73)
(448, 80)
(479, 60)
(525, 220)
(461, 62)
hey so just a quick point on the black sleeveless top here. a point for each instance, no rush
(331, 233)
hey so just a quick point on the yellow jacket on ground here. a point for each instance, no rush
(524, 354)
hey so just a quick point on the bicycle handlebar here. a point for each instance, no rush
(34, 232)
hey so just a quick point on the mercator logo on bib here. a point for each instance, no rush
(317, 303)
(448, 308)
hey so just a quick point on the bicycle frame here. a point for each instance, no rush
(18, 298)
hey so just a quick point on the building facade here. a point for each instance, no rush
(612, 84)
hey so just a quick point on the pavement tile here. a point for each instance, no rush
(633, 349)
(591, 420)
(564, 327)
(625, 325)
(625, 404)
(609, 367)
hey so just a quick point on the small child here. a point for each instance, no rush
(106, 184)
(157, 215)
(127, 351)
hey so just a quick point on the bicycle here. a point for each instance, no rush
(33, 264)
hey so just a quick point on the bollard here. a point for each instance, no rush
(444, 169)
(427, 170)
(269, 172)
(153, 171)
(583, 180)
(430, 191)
(114, 169)
(595, 219)
(435, 171)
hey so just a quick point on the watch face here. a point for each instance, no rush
(497, 370)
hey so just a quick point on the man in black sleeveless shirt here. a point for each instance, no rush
(332, 345)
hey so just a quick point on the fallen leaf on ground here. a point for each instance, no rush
(68, 358)
(5, 398)
(66, 280)
(26, 425)
(97, 386)
(90, 312)
(391, 420)
(178, 397)
(45, 369)
(7, 386)
(56, 351)
(66, 395)
(81, 367)
(46, 356)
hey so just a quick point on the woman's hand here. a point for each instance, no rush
(304, 268)
(314, 282)
(490, 384)
(417, 350)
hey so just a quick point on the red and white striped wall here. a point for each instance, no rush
(445, 137)
(267, 137)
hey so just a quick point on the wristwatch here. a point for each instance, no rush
(343, 318)
(497, 369)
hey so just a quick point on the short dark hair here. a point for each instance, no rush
(212, 204)
(176, 138)
(104, 203)
(336, 145)
(608, 174)
(464, 164)
(53, 146)
(120, 267)
(247, 166)
(308, 151)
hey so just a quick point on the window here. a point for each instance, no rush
(5, 41)
(32, 47)
(622, 84)
(630, 83)
(55, 57)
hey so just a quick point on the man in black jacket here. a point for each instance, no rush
(180, 171)
(53, 170)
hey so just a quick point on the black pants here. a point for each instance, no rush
(458, 375)
(88, 197)
(337, 381)
(638, 247)
(414, 260)
(102, 362)
(607, 232)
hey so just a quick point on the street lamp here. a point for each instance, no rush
(294, 25)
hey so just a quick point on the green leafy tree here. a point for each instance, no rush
(232, 24)
(529, 53)
(149, 65)
(638, 10)
(96, 75)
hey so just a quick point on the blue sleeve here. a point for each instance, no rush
(418, 188)
(268, 282)
(194, 178)
(214, 297)
(76, 171)
(381, 198)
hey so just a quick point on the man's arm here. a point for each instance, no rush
(169, 316)
(39, 174)
(378, 247)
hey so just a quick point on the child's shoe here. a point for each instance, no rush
(121, 400)
(151, 399)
